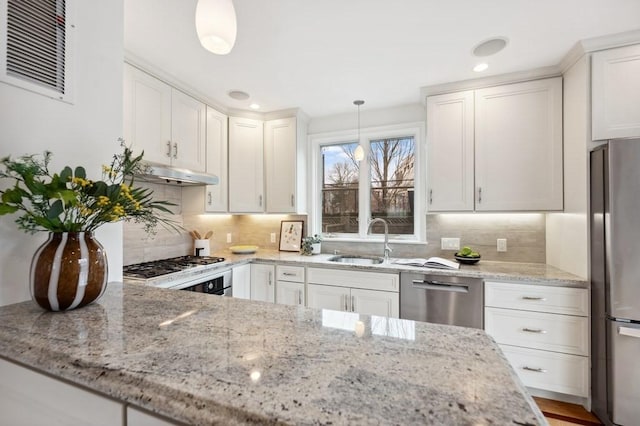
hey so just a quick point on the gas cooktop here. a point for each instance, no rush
(157, 268)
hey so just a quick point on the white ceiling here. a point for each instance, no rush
(320, 55)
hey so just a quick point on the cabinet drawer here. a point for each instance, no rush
(356, 279)
(528, 297)
(536, 330)
(290, 273)
(550, 371)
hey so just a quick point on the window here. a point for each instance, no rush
(36, 46)
(347, 194)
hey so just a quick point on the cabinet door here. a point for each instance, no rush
(289, 293)
(262, 283)
(216, 195)
(616, 89)
(450, 152)
(328, 297)
(246, 180)
(147, 115)
(518, 146)
(280, 165)
(371, 302)
(188, 132)
(137, 417)
(31, 398)
(242, 282)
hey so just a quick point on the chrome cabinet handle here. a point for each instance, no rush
(534, 369)
(169, 149)
(270, 277)
(353, 303)
(479, 194)
(431, 196)
(289, 274)
(346, 308)
(175, 150)
(299, 297)
(209, 198)
(534, 330)
(260, 200)
(292, 201)
(543, 299)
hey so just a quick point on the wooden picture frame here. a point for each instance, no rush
(291, 235)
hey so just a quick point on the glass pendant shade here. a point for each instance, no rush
(216, 25)
(358, 153)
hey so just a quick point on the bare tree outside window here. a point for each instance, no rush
(392, 165)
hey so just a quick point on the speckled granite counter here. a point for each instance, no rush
(203, 359)
(535, 273)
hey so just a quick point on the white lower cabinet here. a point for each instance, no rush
(31, 398)
(544, 333)
(290, 285)
(371, 293)
(137, 417)
(241, 281)
(263, 282)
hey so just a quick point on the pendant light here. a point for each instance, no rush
(358, 154)
(216, 25)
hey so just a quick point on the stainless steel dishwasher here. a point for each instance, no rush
(442, 299)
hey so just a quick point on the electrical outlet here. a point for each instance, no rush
(228, 237)
(273, 237)
(501, 244)
(450, 243)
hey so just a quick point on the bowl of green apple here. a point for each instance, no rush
(467, 256)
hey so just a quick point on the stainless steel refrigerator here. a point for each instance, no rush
(615, 282)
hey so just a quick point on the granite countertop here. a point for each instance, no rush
(532, 273)
(204, 359)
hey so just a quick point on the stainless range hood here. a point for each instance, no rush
(168, 175)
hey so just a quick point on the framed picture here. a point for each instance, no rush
(291, 235)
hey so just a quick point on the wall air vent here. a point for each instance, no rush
(36, 46)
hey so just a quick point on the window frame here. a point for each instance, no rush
(317, 141)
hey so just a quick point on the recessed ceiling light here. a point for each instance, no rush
(481, 67)
(490, 47)
(238, 95)
(254, 106)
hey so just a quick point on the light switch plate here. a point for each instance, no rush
(228, 237)
(450, 243)
(501, 244)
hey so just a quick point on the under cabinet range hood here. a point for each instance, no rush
(168, 175)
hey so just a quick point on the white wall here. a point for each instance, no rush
(568, 233)
(84, 133)
(369, 117)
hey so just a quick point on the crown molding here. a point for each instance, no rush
(611, 41)
(494, 80)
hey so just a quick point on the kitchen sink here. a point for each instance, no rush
(358, 260)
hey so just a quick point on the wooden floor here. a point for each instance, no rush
(563, 414)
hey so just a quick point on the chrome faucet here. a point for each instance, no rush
(387, 249)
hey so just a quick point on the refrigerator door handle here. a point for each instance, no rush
(628, 331)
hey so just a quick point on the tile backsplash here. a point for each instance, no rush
(525, 234)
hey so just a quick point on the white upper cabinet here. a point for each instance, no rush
(166, 123)
(246, 166)
(518, 146)
(496, 149)
(615, 93)
(280, 156)
(217, 128)
(147, 115)
(188, 132)
(450, 152)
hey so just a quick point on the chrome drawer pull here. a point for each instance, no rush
(543, 299)
(536, 370)
(289, 274)
(534, 330)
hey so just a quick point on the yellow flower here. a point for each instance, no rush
(80, 181)
(118, 210)
(85, 211)
(106, 169)
(103, 201)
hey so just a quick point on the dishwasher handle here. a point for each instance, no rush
(439, 285)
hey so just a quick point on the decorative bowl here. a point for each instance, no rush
(243, 249)
(467, 260)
